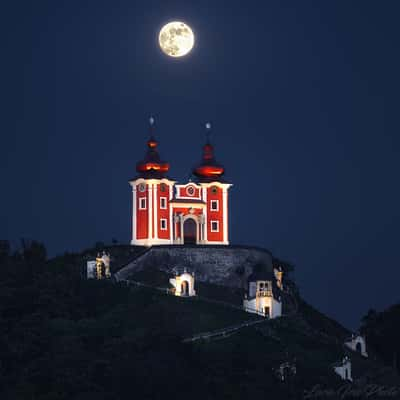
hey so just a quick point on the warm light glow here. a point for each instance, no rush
(176, 39)
(209, 170)
(152, 166)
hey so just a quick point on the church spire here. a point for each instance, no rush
(152, 142)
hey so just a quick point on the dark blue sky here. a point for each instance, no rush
(303, 97)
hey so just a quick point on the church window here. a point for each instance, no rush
(214, 226)
(214, 205)
(163, 203)
(142, 187)
(163, 224)
(142, 203)
(214, 190)
(163, 187)
(190, 191)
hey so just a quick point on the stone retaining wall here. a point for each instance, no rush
(222, 265)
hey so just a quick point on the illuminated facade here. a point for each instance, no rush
(183, 284)
(99, 268)
(264, 294)
(165, 212)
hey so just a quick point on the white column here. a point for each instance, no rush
(155, 211)
(171, 218)
(181, 221)
(150, 211)
(225, 213)
(134, 211)
(202, 230)
(205, 214)
(176, 220)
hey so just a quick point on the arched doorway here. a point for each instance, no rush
(189, 231)
(185, 288)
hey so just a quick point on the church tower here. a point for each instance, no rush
(151, 193)
(209, 176)
(165, 212)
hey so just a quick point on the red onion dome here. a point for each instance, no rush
(152, 166)
(208, 169)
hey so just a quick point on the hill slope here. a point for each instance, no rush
(64, 337)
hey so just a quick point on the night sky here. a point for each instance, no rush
(303, 98)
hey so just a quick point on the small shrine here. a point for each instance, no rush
(343, 369)
(286, 370)
(264, 294)
(99, 268)
(183, 284)
(358, 344)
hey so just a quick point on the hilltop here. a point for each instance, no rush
(66, 337)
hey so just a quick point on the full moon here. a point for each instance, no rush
(176, 39)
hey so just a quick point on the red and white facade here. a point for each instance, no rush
(165, 212)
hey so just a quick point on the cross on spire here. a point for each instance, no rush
(208, 131)
(151, 130)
